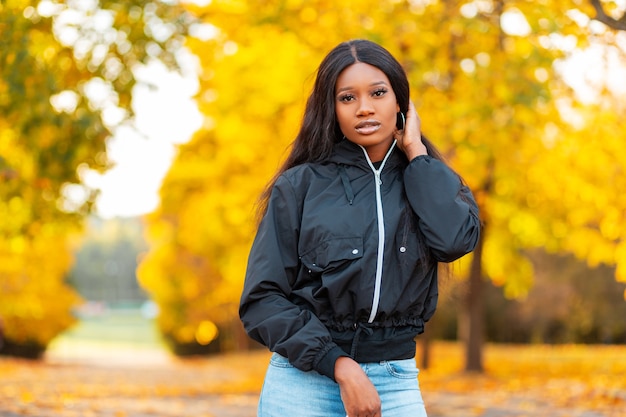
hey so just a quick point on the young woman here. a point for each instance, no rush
(342, 274)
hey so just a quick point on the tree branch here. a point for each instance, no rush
(601, 16)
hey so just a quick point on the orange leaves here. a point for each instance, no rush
(204, 388)
(549, 379)
(522, 380)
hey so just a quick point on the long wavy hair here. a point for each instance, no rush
(320, 129)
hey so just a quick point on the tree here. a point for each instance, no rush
(484, 81)
(66, 77)
(535, 177)
(604, 16)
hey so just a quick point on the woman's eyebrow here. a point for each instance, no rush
(371, 85)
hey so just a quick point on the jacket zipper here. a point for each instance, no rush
(381, 230)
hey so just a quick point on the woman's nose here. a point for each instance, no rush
(365, 107)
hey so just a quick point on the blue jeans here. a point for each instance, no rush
(288, 391)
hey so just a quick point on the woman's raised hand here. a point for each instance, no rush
(409, 140)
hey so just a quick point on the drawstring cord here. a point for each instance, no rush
(360, 327)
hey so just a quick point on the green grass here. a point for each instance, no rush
(127, 326)
(116, 330)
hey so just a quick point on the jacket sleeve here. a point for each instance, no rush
(268, 315)
(447, 211)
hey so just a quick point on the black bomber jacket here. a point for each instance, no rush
(336, 267)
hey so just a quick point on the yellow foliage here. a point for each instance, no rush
(31, 272)
(206, 332)
(487, 99)
(42, 147)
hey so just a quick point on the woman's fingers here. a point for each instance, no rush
(410, 140)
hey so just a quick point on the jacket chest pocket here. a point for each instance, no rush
(332, 253)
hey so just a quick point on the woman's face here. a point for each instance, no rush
(366, 108)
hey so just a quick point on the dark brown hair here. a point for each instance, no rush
(320, 130)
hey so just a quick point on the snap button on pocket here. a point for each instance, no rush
(402, 249)
(332, 253)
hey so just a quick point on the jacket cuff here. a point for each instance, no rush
(425, 157)
(326, 364)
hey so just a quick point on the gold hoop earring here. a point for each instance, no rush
(400, 120)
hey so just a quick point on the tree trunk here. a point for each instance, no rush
(472, 319)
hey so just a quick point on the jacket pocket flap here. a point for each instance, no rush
(331, 252)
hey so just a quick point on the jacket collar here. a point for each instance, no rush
(349, 153)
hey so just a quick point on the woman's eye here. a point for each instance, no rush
(380, 92)
(346, 98)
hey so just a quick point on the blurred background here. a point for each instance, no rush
(136, 137)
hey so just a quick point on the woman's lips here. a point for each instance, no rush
(367, 127)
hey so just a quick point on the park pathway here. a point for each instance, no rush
(244, 405)
(83, 377)
(150, 383)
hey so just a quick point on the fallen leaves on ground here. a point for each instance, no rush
(553, 381)
(575, 379)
